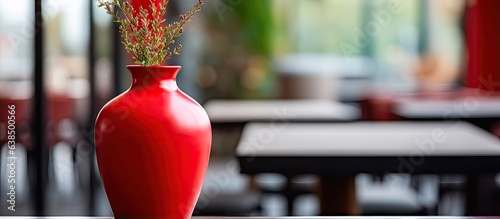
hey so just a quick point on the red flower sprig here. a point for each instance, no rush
(145, 33)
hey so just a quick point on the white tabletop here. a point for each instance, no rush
(367, 139)
(241, 111)
(460, 108)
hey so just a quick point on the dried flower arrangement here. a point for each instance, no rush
(145, 33)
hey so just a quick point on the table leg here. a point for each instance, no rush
(479, 195)
(338, 196)
(290, 197)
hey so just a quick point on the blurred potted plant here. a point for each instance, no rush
(153, 141)
(242, 36)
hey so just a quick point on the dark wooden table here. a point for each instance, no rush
(468, 105)
(337, 152)
(478, 110)
(229, 117)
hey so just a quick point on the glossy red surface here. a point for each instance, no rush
(153, 145)
(146, 4)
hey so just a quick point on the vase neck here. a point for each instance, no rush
(153, 76)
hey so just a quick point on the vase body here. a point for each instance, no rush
(152, 146)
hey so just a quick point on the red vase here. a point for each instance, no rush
(153, 145)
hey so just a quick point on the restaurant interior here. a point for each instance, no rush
(317, 107)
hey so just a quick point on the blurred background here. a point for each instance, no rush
(371, 55)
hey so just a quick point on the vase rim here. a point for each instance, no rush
(155, 66)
